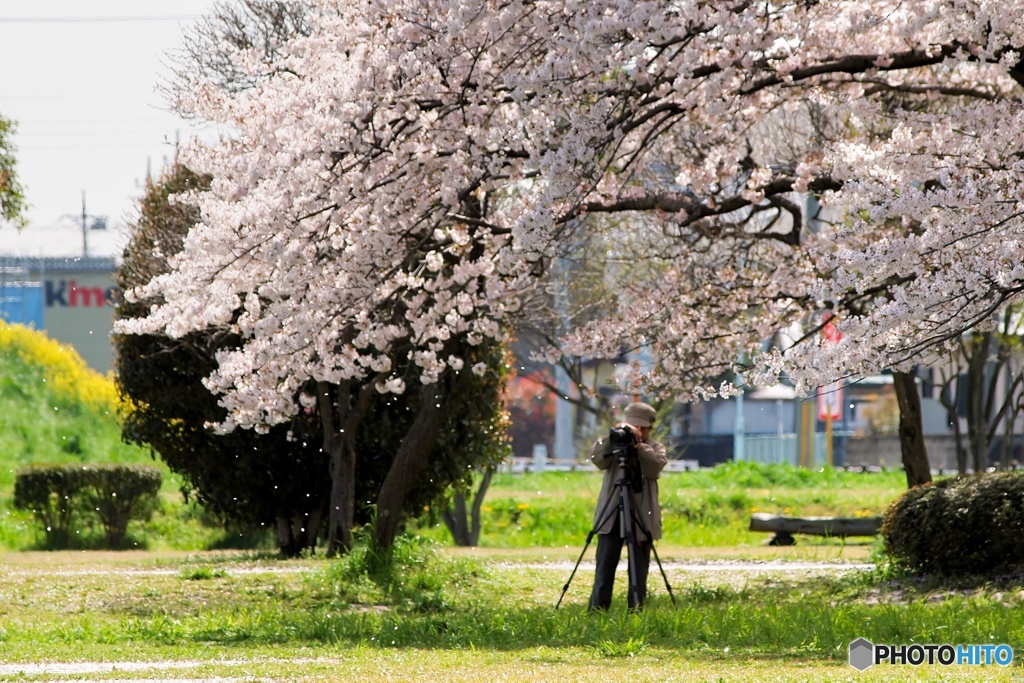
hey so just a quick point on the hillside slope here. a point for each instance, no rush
(54, 408)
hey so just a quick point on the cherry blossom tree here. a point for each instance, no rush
(273, 480)
(393, 180)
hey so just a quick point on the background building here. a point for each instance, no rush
(71, 299)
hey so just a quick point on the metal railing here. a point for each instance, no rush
(785, 449)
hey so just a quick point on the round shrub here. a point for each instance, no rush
(959, 527)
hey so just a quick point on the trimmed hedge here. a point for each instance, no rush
(50, 493)
(59, 496)
(959, 527)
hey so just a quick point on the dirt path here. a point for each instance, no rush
(94, 668)
(712, 566)
(749, 567)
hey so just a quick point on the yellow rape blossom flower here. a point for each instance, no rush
(63, 369)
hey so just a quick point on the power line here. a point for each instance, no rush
(103, 145)
(35, 123)
(66, 133)
(63, 96)
(35, 126)
(79, 20)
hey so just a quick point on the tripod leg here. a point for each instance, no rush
(565, 588)
(590, 536)
(657, 559)
(663, 575)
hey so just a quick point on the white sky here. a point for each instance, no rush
(79, 78)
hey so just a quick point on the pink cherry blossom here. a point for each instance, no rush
(414, 170)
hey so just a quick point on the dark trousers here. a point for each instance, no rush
(609, 549)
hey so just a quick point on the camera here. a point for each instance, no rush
(621, 437)
(624, 442)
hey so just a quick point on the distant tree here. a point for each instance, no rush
(12, 194)
(985, 381)
(531, 406)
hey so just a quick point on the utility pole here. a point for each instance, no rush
(739, 430)
(98, 223)
(85, 229)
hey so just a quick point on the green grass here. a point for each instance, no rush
(706, 508)
(40, 424)
(431, 612)
(430, 615)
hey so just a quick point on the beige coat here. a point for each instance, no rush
(652, 462)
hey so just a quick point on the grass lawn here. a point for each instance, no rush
(743, 611)
(172, 610)
(703, 509)
(779, 614)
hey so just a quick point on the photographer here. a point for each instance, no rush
(644, 463)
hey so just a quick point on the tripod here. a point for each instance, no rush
(628, 524)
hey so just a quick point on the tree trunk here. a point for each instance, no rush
(961, 452)
(283, 532)
(457, 520)
(339, 417)
(341, 503)
(408, 464)
(1011, 420)
(977, 424)
(915, 456)
(465, 528)
(297, 532)
(949, 400)
(1008, 416)
(478, 502)
(1007, 412)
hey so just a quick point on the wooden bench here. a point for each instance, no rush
(682, 466)
(785, 527)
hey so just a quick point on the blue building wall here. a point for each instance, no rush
(22, 303)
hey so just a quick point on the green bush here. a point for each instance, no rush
(959, 527)
(49, 493)
(59, 496)
(119, 494)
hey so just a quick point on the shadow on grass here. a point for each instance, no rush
(244, 539)
(88, 541)
(797, 628)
